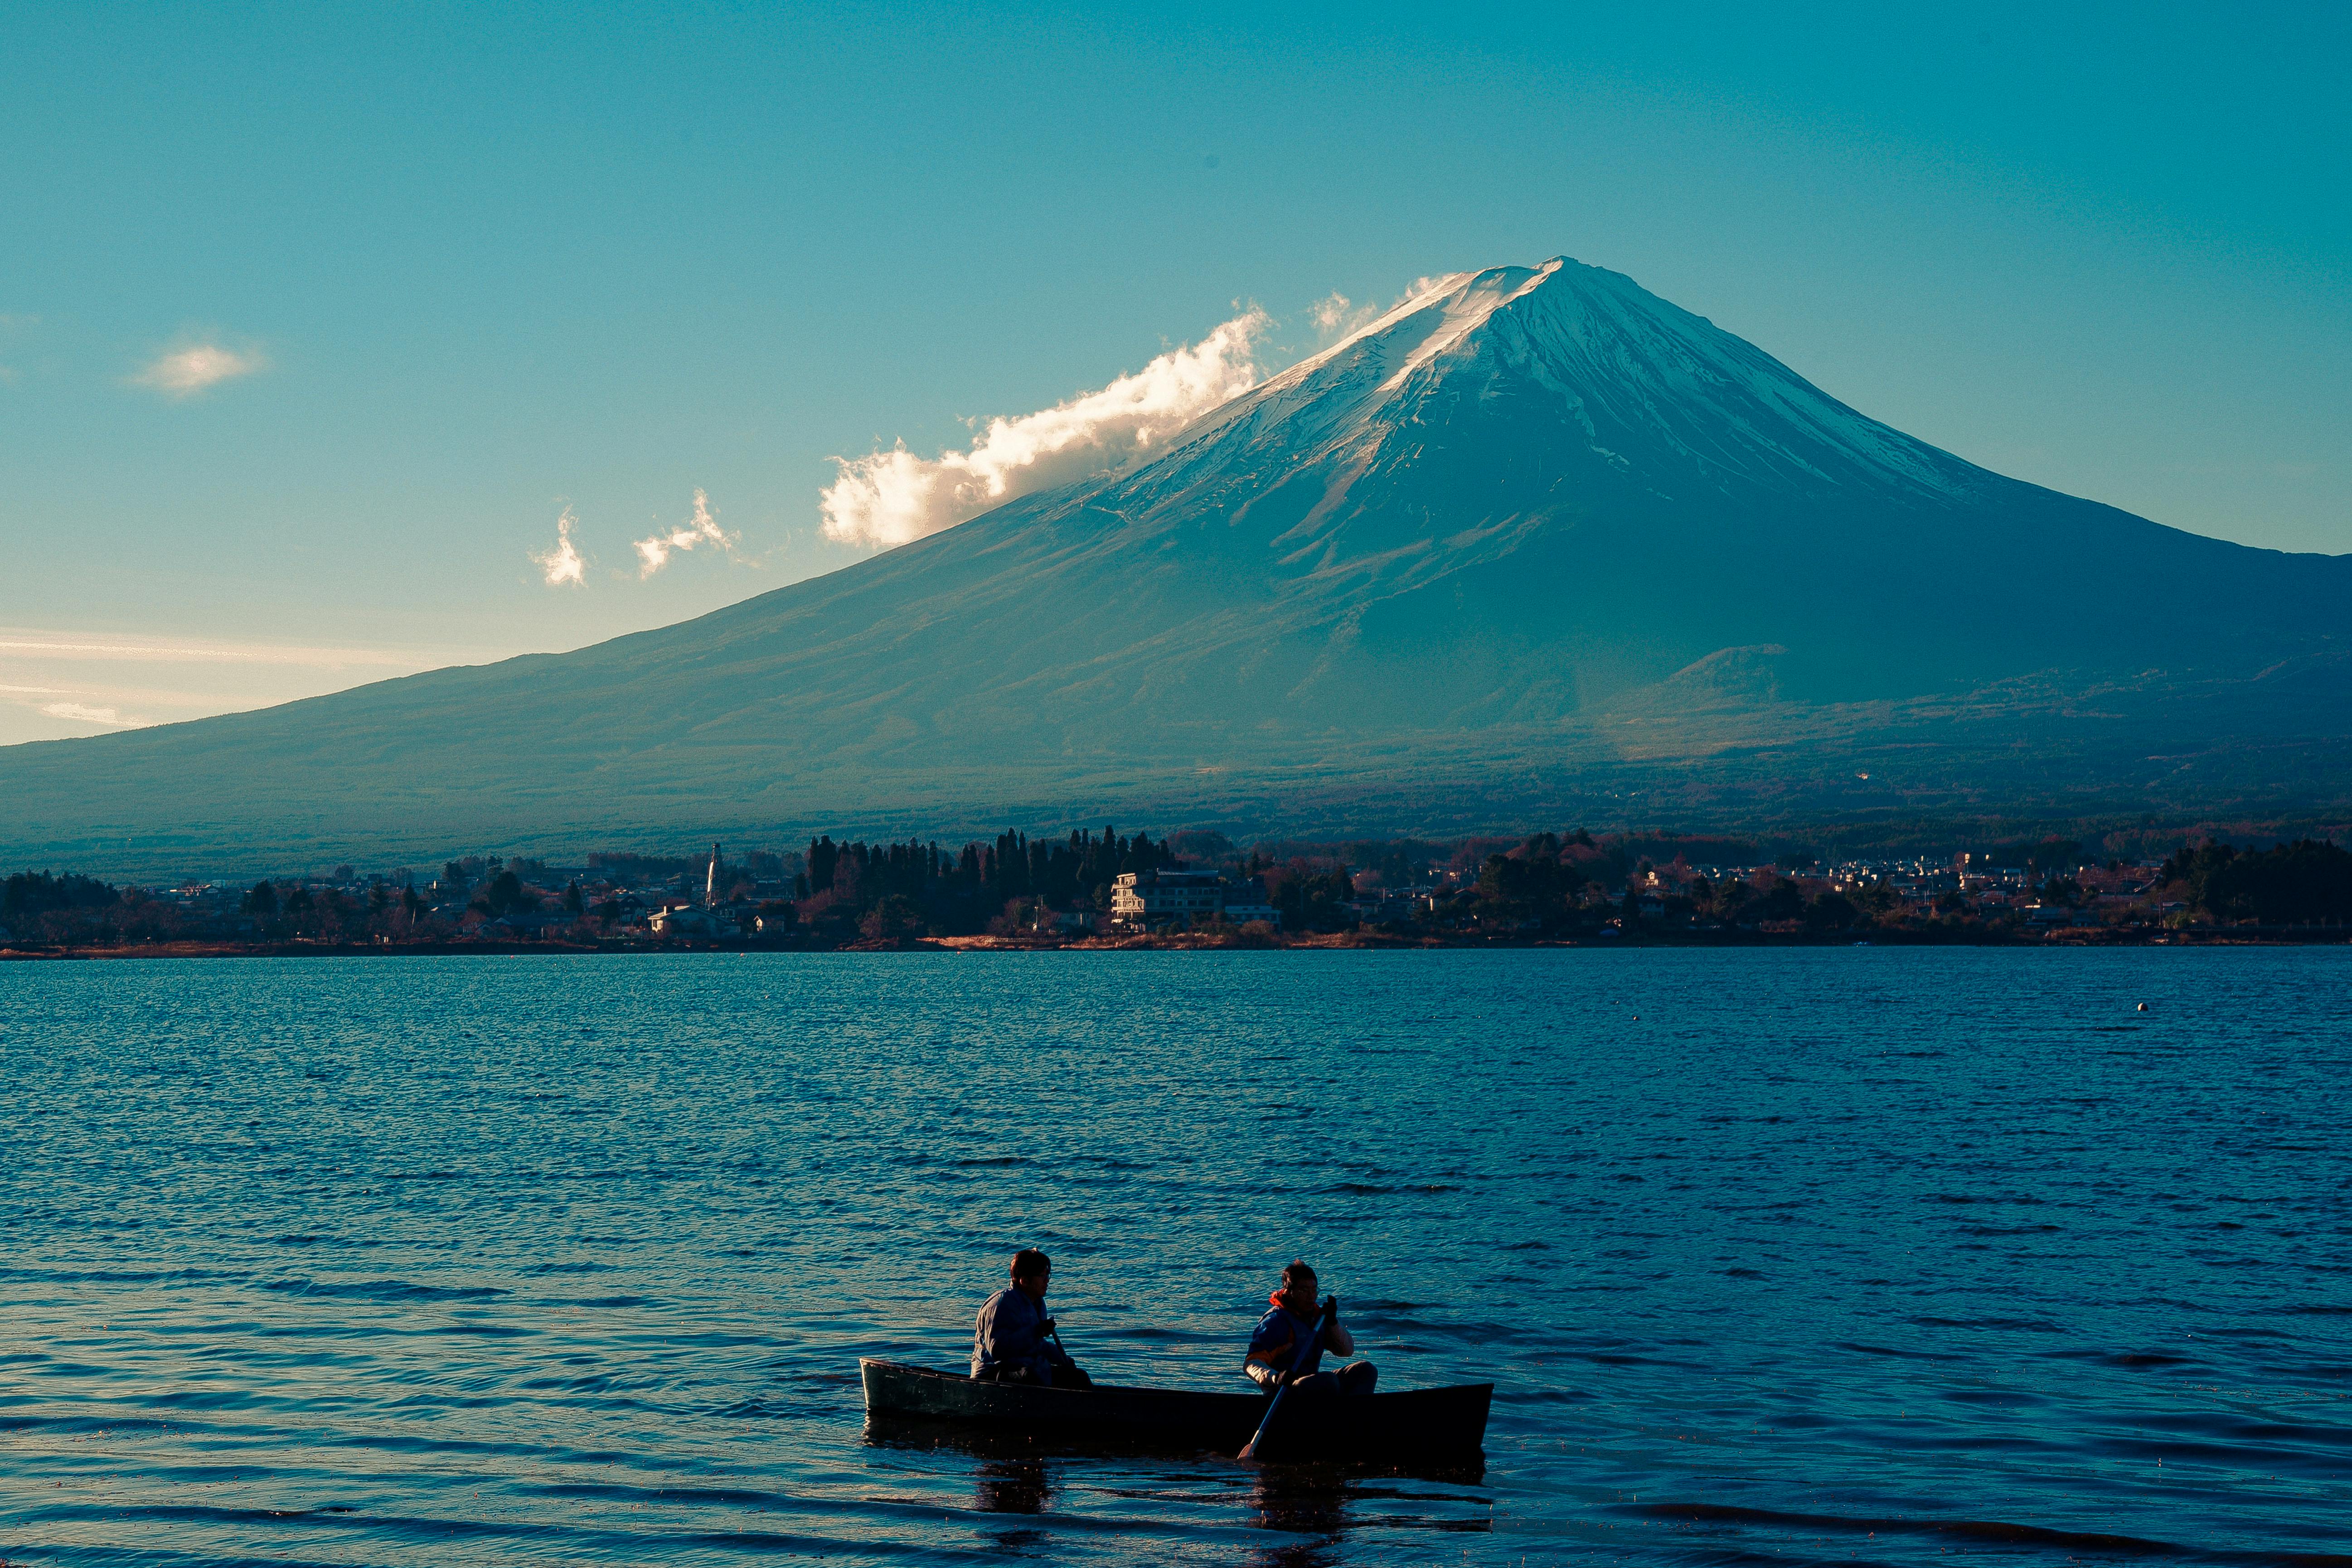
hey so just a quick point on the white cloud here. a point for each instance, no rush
(1334, 315)
(189, 369)
(562, 564)
(652, 554)
(82, 713)
(893, 496)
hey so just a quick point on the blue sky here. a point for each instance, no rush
(445, 272)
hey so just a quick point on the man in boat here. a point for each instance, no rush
(1009, 1339)
(1274, 1348)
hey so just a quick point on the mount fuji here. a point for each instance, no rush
(1535, 544)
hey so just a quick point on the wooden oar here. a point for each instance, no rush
(1298, 1365)
(1055, 1334)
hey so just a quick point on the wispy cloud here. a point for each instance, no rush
(83, 713)
(68, 646)
(1334, 315)
(184, 371)
(66, 708)
(654, 554)
(58, 680)
(562, 564)
(893, 496)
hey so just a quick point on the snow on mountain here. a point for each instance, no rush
(1652, 387)
(1468, 554)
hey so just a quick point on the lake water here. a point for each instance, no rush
(1855, 1255)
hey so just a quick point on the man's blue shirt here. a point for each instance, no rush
(1280, 1333)
(1009, 1332)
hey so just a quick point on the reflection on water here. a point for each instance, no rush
(1012, 1486)
(1308, 1501)
(1800, 1256)
(1309, 1504)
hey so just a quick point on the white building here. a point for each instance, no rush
(687, 920)
(1164, 898)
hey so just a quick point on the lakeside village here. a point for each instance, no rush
(1197, 888)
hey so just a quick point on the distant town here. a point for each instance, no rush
(1198, 889)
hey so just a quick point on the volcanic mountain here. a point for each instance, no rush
(1534, 541)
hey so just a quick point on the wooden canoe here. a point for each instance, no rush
(1417, 1425)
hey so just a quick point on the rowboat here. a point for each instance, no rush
(1419, 1425)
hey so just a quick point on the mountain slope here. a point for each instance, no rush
(1535, 536)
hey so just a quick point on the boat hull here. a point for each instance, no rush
(1415, 1425)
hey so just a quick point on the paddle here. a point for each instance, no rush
(1297, 1364)
(1083, 1381)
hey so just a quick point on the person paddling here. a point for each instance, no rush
(1274, 1348)
(1010, 1340)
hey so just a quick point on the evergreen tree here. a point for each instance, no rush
(2304, 883)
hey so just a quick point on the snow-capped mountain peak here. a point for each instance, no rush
(1564, 352)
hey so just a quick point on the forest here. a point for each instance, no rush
(2307, 882)
(890, 891)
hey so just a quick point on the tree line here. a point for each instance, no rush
(901, 890)
(839, 891)
(2307, 882)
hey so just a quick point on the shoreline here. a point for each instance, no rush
(1188, 942)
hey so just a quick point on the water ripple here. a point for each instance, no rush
(1868, 1255)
